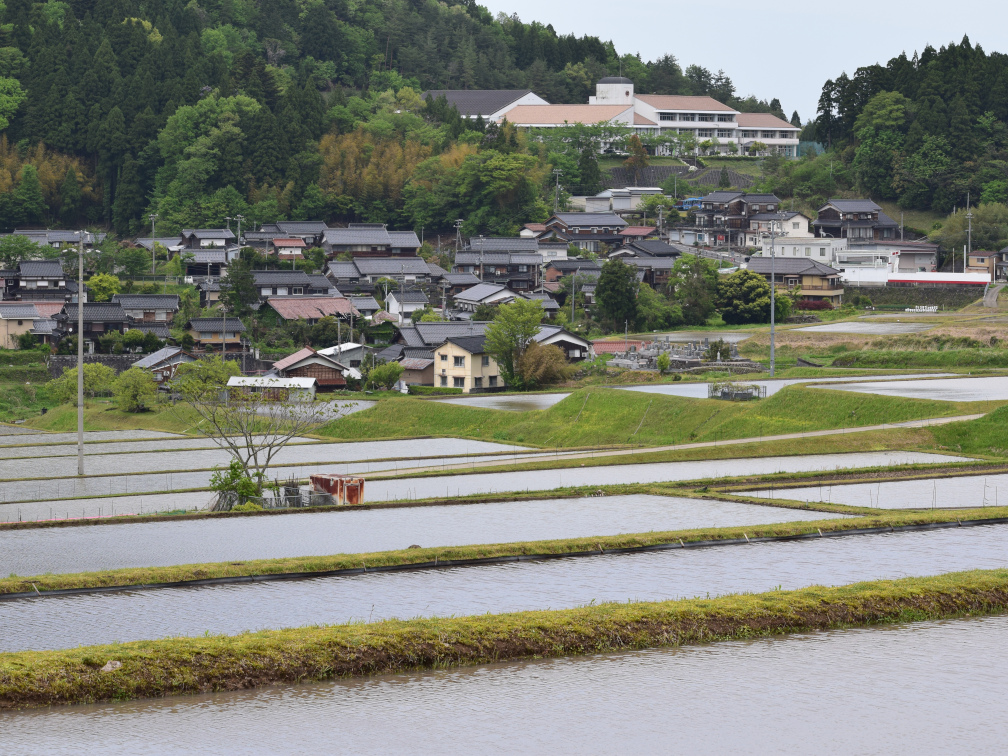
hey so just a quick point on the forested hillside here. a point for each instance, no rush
(923, 130)
(201, 109)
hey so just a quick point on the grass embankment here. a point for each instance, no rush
(448, 554)
(23, 375)
(197, 665)
(599, 417)
(949, 359)
(104, 415)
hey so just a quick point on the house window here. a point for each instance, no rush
(822, 251)
(795, 225)
(724, 133)
(705, 132)
(705, 117)
(726, 119)
(444, 357)
(266, 291)
(477, 383)
(444, 381)
(486, 360)
(493, 380)
(459, 362)
(297, 290)
(458, 382)
(687, 116)
(768, 134)
(808, 251)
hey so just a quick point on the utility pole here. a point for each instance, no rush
(574, 292)
(153, 250)
(223, 348)
(238, 218)
(969, 234)
(773, 289)
(480, 256)
(556, 200)
(80, 353)
(458, 234)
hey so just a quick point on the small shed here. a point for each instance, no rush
(275, 387)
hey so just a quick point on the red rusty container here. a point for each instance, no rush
(343, 488)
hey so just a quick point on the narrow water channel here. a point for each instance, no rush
(553, 584)
(99, 547)
(931, 687)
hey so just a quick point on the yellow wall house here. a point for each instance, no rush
(16, 319)
(461, 363)
(209, 333)
(808, 279)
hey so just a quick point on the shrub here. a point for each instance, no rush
(541, 365)
(385, 376)
(814, 304)
(135, 390)
(98, 379)
(27, 341)
(416, 390)
(248, 506)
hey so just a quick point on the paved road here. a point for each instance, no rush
(991, 298)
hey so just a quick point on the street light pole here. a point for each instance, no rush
(969, 236)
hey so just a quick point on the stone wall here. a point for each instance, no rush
(118, 362)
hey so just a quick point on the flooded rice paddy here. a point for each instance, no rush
(62, 622)
(772, 386)
(868, 328)
(509, 403)
(100, 547)
(542, 480)
(939, 389)
(929, 687)
(959, 492)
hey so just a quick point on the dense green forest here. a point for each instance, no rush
(200, 109)
(923, 131)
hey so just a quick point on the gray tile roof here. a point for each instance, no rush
(365, 303)
(156, 358)
(164, 241)
(161, 330)
(43, 326)
(461, 279)
(41, 269)
(572, 264)
(94, 312)
(655, 248)
(147, 301)
(209, 233)
(343, 270)
(480, 292)
(281, 278)
(431, 334)
(503, 244)
(472, 344)
(377, 237)
(205, 256)
(854, 205)
(788, 215)
(474, 102)
(213, 325)
(497, 258)
(409, 297)
(319, 281)
(404, 239)
(579, 220)
(760, 199)
(302, 228)
(391, 266)
(722, 196)
(18, 311)
(791, 266)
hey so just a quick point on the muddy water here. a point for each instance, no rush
(930, 687)
(104, 618)
(969, 491)
(541, 480)
(34, 552)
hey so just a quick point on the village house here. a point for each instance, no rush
(417, 371)
(148, 308)
(366, 306)
(288, 248)
(785, 225)
(209, 263)
(282, 283)
(557, 269)
(40, 280)
(855, 219)
(806, 278)
(574, 347)
(16, 319)
(309, 232)
(100, 318)
(349, 353)
(725, 215)
(402, 304)
(307, 363)
(483, 294)
(213, 334)
(587, 231)
(209, 293)
(312, 309)
(370, 240)
(518, 270)
(461, 362)
(58, 238)
(207, 238)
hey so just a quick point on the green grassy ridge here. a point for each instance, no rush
(101, 416)
(176, 666)
(987, 435)
(599, 416)
(313, 564)
(906, 358)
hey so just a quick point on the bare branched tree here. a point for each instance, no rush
(252, 426)
(274, 52)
